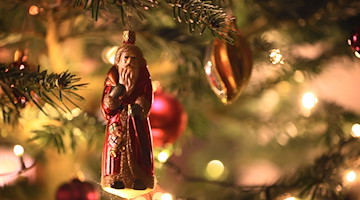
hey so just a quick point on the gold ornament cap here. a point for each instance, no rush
(129, 37)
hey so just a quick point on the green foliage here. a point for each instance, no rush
(20, 85)
(196, 13)
(72, 130)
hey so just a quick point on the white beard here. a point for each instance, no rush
(128, 77)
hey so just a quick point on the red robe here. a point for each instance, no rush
(132, 141)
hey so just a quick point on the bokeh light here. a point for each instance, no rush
(18, 150)
(276, 57)
(355, 130)
(309, 100)
(298, 76)
(215, 169)
(163, 156)
(108, 54)
(350, 176)
(166, 196)
(34, 10)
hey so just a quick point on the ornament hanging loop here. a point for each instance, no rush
(129, 19)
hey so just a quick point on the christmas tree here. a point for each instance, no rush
(252, 99)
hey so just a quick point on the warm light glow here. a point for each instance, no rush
(163, 156)
(298, 76)
(11, 166)
(355, 129)
(357, 54)
(215, 169)
(18, 150)
(157, 196)
(140, 198)
(290, 198)
(108, 54)
(276, 57)
(34, 10)
(309, 100)
(155, 85)
(126, 193)
(350, 176)
(77, 132)
(208, 67)
(166, 196)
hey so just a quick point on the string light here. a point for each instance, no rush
(350, 176)
(215, 169)
(10, 158)
(18, 150)
(355, 130)
(166, 196)
(276, 57)
(309, 100)
(163, 156)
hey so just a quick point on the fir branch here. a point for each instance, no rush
(325, 173)
(50, 136)
(202, 15)
(243, 188)
(126, 7)
(199, 15)
(19, 85)
(68, 133)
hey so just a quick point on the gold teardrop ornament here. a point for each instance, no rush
(228, 66)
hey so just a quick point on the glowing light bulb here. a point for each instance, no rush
(355, 130)
(309, 100)
(276, 57)
(215, 169)
(350, 176)
(166, 196)
(18, 150)
(163, 156)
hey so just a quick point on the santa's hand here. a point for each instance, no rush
(117, 91)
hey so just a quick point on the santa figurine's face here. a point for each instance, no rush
(129, 59)
(128, 68)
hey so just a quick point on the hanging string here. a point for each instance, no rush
(129, 18)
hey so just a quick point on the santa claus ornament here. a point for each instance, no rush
(127, 159)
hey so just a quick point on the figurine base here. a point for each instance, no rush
(127, 193)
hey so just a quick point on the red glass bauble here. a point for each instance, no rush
(354, 40)
(167, 118)
(77, 190)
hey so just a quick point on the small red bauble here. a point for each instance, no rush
(167, 117)
(354, 40)
(77, 190)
